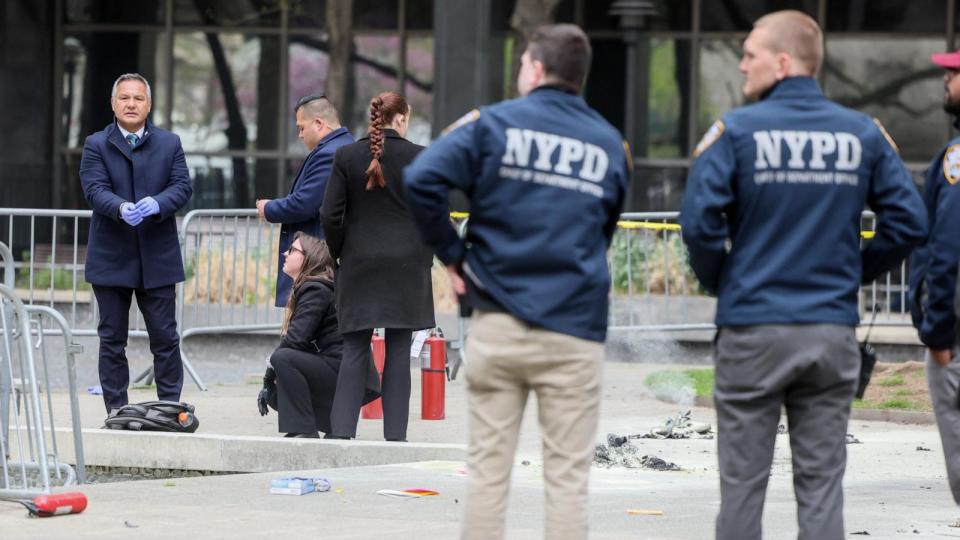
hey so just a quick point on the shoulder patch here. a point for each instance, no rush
(471, 116)
(951, 164)
(710, 137)
(886, 135)
(629, 153)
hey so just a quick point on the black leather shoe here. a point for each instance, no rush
(342, 437)
(313, 435)
(392, 439)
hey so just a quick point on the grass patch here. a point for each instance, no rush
(896, 404)
(893, 380)
(696, 381)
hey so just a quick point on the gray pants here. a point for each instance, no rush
(944, 384)
(812, 371)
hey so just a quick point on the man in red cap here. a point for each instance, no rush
(933, 278)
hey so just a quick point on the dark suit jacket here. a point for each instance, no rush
(384, 275)
(298, 210)
(313, 329)
(111, 173)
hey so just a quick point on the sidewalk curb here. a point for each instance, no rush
(231, 453)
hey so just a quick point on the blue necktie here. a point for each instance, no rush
(132, 139)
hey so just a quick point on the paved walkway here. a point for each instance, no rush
(893, 489)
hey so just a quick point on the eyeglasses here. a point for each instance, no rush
(292, 249)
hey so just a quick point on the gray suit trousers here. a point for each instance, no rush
(811, 370)
(944, 384)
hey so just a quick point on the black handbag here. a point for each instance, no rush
(169, 416)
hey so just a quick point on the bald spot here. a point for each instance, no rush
(796, 34)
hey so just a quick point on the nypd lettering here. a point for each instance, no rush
(549, 159)
(807, 157)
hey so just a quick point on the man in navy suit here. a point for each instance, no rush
(318, 126)
(135, 177)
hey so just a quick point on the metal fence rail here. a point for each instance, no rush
(231, 267)
(28, 466)
(654, 290)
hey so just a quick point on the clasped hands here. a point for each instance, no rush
(133, 214)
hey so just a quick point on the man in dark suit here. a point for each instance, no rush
(318, 126)
(135, 177)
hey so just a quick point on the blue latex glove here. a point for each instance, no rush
(130, 214)
(147, 206)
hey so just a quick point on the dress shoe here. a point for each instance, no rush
(313, 435)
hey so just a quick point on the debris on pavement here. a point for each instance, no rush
(644, 512)
(923, 449)
(409, 493)
(853, 440)
(679, 427)
(782, 429)
(861, 533)
(628, 455)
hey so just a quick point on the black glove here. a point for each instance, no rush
(269, 377)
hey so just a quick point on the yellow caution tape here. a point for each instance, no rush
(648, 225)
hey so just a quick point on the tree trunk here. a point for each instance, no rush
(527, 16)
(339, 26)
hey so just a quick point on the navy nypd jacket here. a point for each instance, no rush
(546, 177)
(933, 273)
(786, 180)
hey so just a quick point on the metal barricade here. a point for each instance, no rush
(29, 456)
(654, 290)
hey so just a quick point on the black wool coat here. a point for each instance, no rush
(313, 326)
(383, 279)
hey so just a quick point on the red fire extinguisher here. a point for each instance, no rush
(433, 378)
(374, 409)
(57, 504)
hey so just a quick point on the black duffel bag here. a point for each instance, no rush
(154, 416)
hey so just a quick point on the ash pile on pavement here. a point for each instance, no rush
(620, 452)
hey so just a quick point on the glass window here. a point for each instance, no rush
(656, 188)
(227, 13)
(228, 182)
(419, 15)
(374, 71)
(739, 15)
(668, 99)
(307, 64)
(887, 15)
(419, 90)
(605, 88)
(375, 14)
(113, 12)
(307, 14)
(720, 81)
(215, 96)
(87, 83)
(893, 80)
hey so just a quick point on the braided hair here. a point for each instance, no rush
(383, 109)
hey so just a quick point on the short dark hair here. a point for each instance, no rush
(564, 50)
(318, 105)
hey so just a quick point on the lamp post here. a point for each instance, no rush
(633, 17)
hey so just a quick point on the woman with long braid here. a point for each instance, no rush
(384, 268)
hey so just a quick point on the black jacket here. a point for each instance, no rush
(313, 327)
(384, 274)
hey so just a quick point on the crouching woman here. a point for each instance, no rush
(307, 362)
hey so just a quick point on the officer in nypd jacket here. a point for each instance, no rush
(784, 181)
(933, 280)
(546, 177)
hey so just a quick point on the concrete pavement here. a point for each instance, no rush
(893, 489)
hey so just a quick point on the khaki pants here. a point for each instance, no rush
(506, 358)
